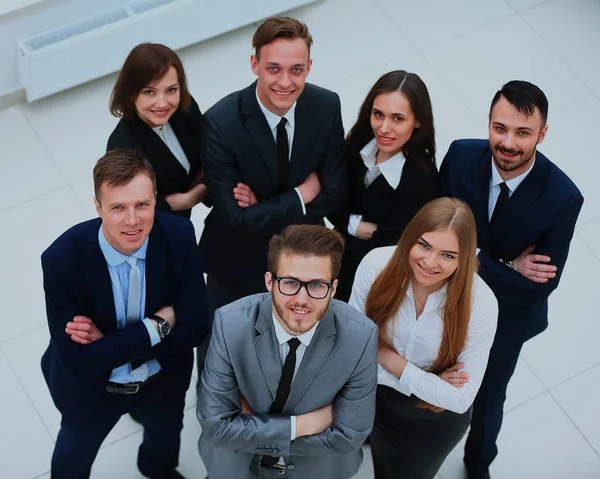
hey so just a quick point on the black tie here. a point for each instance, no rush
(501, 201)
(283, 390)
(283, 156)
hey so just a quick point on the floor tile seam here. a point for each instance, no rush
(12, 338)
(575, 376)
(547, 44)
(588, 246)
(526, 401)
(574, 424)
(582, 224)
(546, 2)
(139, 430)
(24, 389)
(42, 474)
(34, 198)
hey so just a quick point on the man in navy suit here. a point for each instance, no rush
(526, 209)
(126, 304)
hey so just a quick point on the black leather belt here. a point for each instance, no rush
(128, 388)
(280, 468)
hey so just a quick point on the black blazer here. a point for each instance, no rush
(542, 212)
(77, 282)
(390, 208)
(239, 147)
(171, 177)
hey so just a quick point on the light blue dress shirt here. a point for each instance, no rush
(119, 278)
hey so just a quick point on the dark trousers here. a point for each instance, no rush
(158, 406)
(409, 442)
(221, 292)
(488, 408)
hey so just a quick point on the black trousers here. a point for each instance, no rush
(158, 406)
(221, 292)
(408, 442)
(488, 408)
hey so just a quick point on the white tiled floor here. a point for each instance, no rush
(464, 51)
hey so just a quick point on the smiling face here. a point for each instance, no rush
(393, 122)
(282, 70)
(434, 258)
(514, 138)
(127, 213)
(156, 102)
(297, 314)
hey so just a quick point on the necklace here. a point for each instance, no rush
(420, 305)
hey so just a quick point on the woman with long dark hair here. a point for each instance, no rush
(437, 320)
(391, 160)
(161, 121)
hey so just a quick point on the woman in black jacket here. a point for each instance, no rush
(391, 161)
(161, 121)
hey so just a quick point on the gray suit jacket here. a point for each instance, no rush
(339, 367)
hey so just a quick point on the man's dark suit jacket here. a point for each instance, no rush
(77, 282)
(171, 177)
(390, 208)
(542, 211)
(239, 147)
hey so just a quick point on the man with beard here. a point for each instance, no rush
(526, 209)
(290, 376)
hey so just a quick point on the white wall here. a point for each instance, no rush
(35, 19)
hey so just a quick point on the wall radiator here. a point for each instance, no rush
(97, 45)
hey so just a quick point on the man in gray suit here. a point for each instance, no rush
(290, 377)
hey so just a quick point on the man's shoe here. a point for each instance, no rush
(172, 474)
(478, 475)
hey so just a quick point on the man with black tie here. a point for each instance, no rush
(526, 209)
(290, 378)
(273, 156)
(126, 304)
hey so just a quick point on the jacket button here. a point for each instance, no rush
(290, 466)
(275, 450)
(269, 450)
(257, 449)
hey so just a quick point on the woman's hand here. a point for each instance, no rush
(454, 376)
(365, 230)
(189, 199)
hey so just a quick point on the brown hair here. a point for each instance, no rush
(307, 240)
(383, 300)
(280, 27)
(145, 64)
(118, 168)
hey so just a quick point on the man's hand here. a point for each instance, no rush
(83, 330)
(529, 265)
(454, 376)
(310, 188)
(246, 409)
(314, 422)
(168, 314)
(244, 195)
(390, 359)
(365, 230)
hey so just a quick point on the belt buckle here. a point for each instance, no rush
(135, 390)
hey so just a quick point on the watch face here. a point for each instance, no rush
(165, 328)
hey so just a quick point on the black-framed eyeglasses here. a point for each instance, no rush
(291, 286)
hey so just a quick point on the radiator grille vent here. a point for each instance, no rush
(73, 29)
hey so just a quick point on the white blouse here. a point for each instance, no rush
(418, 340)
(167, 135)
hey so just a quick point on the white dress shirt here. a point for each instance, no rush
(284, 348)
(495, 181)
(273, 120)
(418, 340)
(391, 169)
(167, 135)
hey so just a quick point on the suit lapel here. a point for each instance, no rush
(267, 348)
(258, 129)
(518, 202)
(313, 359)
(97, 278)
(481, 185)
(306, 127)
(156, 270)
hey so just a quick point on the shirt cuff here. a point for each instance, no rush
(301, 201)
(154, 336)
(293, 432)
(353, 223)
(410, 377)
(477, 250)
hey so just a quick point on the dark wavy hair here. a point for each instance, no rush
(420, 148)
(525, 97)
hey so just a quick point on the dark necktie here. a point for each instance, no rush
(501, 201)
(283, 390)
(283, 156)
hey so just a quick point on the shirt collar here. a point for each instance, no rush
(273, 119)
(114, 257)
(434, 300)
(391, 169)
(162, 129)
(512, 183)
(283, 336)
